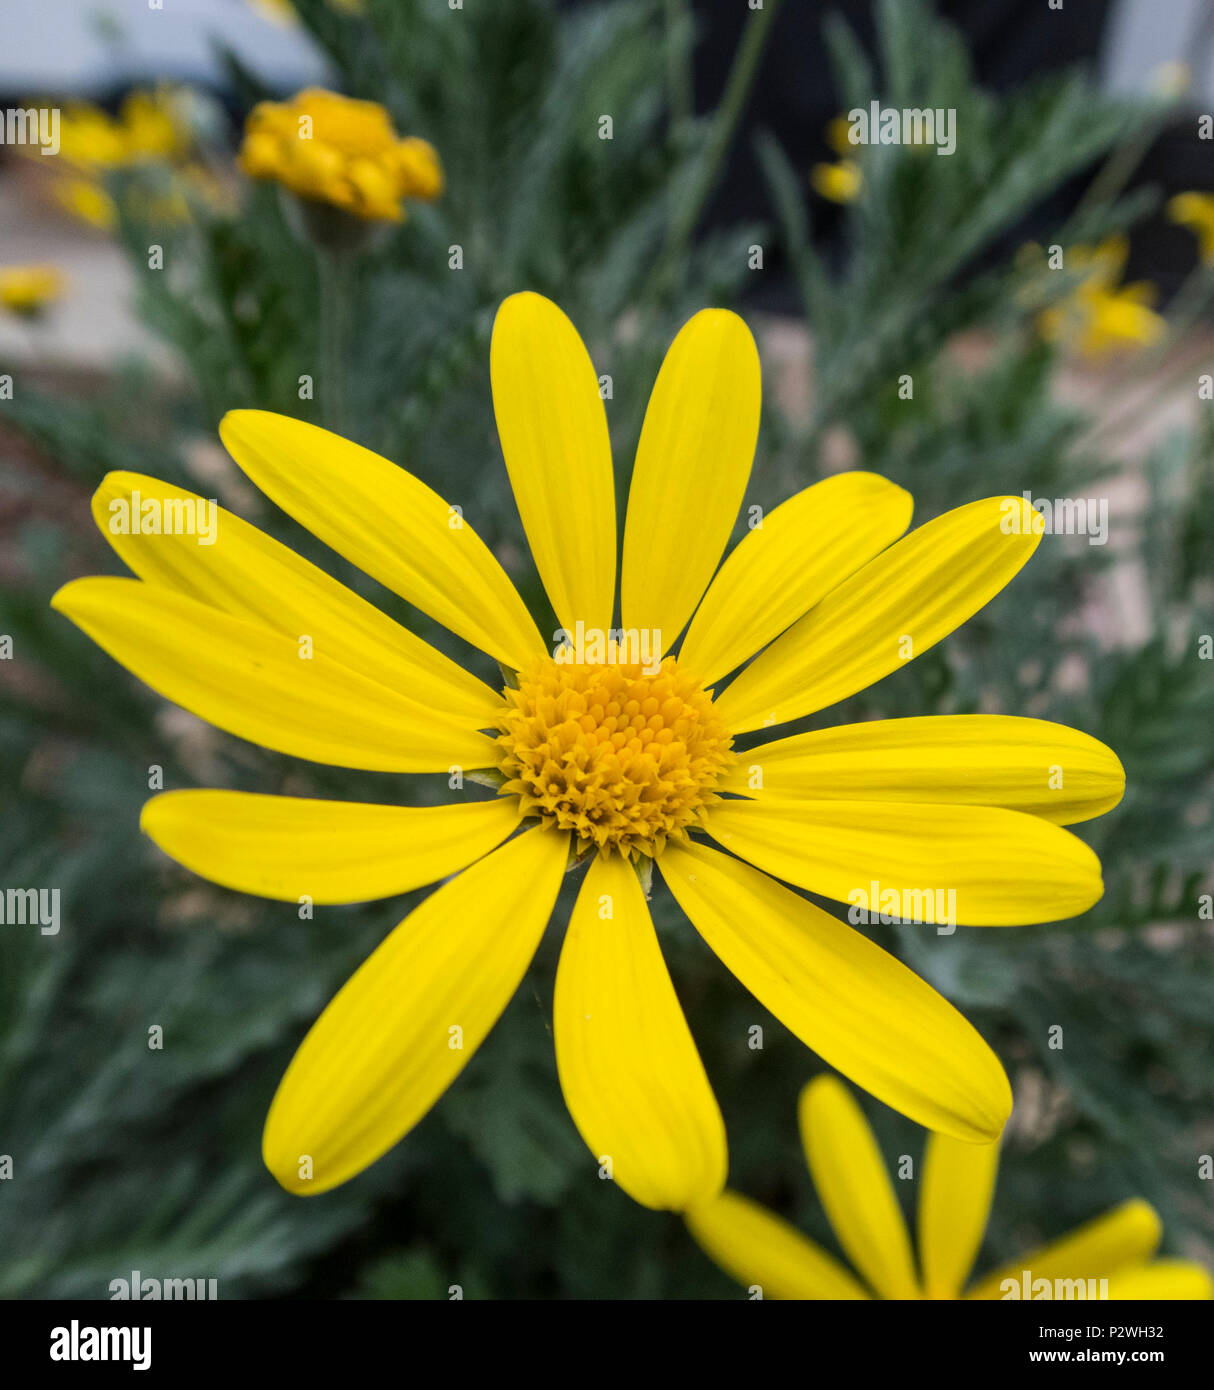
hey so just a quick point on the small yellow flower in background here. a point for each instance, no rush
(28, 289)
(840, 183)
(1196, 211)
(1099, 315)
(956, 1184)
(148, 126)
(615, 758)
(86, 201)
(337, 150)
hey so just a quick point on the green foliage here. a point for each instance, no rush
(126, 1156)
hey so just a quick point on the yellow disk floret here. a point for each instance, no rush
(623, 759)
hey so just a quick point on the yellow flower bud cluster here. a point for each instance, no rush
(338, 150)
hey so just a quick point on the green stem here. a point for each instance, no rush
(679, 83)
(1193, 296)
(333, 269)
(1160, 389)
(690, 205)
(1119, 168)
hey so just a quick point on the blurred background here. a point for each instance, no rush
(723, 182)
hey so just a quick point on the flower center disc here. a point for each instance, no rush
(623, 759)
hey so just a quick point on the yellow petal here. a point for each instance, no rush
(1126, 1235)
(854, 1188)
(1162, 1279)
(957, 1184)
(1001, 868)
(246, 573)
(287, 847)
(406, 1022)
(1028, 765)
(895, 608)
(777, 572)
(251, 681)
(389, 524)
(553, 428)
(857, 1006)
(632, 1077)
(692, 463)
(764, 1253)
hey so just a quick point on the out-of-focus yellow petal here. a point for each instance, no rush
(763, 1252)
(692, 463)
(389, 524)
(1028, 765)
(553, 429)
(632, 1077)
(1162, 1279)
(251, 681)
(289, 847)
(407, 1021)
(893, 609)
(854, 1188)
(776, 573)
(1126, 1235)
(1002, 868)
(248, 574)
(853, 1003)
(955, 1192)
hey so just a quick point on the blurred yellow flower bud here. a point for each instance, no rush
(840, 182)
(334, 149)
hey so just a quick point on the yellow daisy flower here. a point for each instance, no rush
(28, 289)
(1196, 211)
(612, 759)
(763, 1252)
(334, 149)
